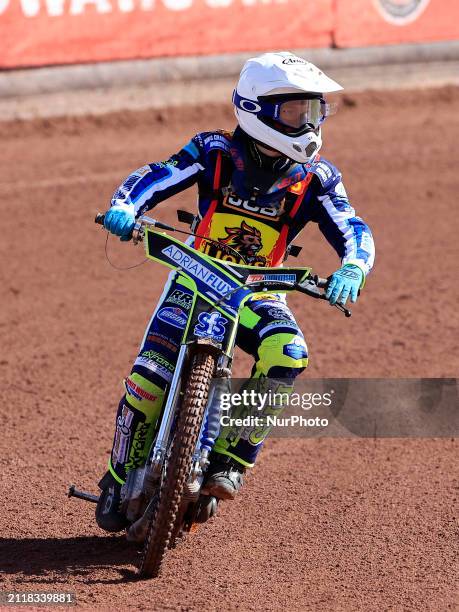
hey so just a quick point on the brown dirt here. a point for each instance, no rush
(322, 524)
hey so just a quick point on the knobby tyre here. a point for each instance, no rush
(163, 524)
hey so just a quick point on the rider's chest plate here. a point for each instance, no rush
(246, 231)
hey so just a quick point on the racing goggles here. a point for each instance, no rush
(292, 114)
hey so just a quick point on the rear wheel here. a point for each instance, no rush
(164, 523)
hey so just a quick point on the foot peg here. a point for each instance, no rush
(72, 492)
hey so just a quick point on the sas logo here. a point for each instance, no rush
(401, 12)
(211, 324)
(173, 316)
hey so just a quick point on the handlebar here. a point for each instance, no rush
(310, 287)
(137, 232)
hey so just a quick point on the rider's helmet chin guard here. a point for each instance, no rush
(279, 102)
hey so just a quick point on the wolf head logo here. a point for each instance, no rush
(244, 239)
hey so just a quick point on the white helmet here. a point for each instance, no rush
(279, 102)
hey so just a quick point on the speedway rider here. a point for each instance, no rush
(257, 188)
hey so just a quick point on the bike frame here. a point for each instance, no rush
(220, 290)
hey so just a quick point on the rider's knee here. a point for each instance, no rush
(282, 355)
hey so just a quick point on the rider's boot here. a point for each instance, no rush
(108, 515)
(224, 477)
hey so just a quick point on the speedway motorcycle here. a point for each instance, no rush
(164, 499)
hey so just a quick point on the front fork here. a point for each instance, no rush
(197, 508)
(210, 428)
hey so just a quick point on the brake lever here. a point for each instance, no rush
(312, 288)
(323, 283)
(346, 311)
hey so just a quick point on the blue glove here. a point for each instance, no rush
(347, 280)
(120, 220)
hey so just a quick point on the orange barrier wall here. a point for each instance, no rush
(43, 32)
(38, 32)
(377, 22)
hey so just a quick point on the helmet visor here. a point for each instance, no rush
(297, 114)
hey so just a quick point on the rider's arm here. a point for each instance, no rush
(153, 183)
(347, 233)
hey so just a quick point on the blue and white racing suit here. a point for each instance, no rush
(258, 223)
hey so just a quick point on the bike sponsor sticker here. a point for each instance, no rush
(211, 324)
(161, 339)
(154, 367)
(173, 315)
(122, 435)
(136, 455)
(254, 278)
(140, 394)
(401, 12)
(197, 270)
(155, 356)
(181, 298)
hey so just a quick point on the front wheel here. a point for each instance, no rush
(163, 524)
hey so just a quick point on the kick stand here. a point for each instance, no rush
(82, 495)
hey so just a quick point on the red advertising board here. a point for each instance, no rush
(377, 22)
(43, 32)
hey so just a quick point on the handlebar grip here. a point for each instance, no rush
(100, 217)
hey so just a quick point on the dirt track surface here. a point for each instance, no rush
(322, 525)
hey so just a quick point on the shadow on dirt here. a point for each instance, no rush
(33, 558)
